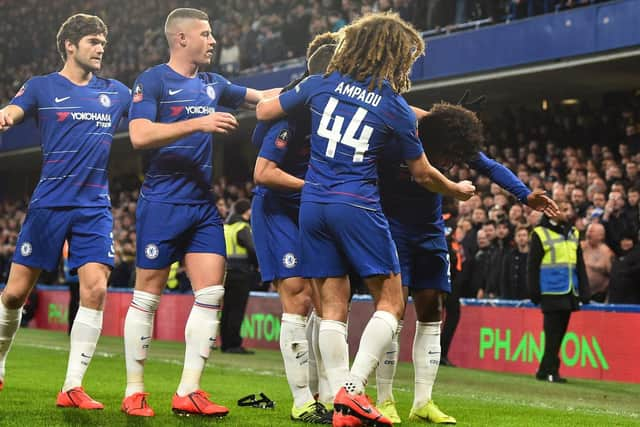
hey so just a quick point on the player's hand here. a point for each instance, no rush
(6, 121)
(473, 105)
(539, 201)
(218, 123)
(464, 190)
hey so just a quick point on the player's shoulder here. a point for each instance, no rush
(209, 77)
(156, 72)
(111, 84)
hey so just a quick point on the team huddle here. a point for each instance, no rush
(345, 184)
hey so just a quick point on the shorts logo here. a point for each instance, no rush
(105, 100)
(151, 251)
(211, 92)
(26, 249)
(289, 260)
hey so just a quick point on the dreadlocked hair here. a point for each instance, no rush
(451, 132)
(381, 46)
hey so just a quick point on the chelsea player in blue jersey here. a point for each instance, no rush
(173, 114)
(77, 113)
(279, 174)
(357, 111)
(449, 134)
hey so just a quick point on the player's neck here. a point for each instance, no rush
(75, 74)
(184, 68)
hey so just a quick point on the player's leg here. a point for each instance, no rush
(138, 333)
(295, 295)
(21, 281)
(431, 283)
(204, 263)
(206, 273)
(325, 395)
(91, 252)
(386, 370)
(38, 248)
(322, 260)
(367, 243)
(158, 227)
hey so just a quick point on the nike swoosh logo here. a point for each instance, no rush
(301, 354)
(144, 338)
(84, 355)
(367, 410)
(212, 339)
(61, 99)
(433, 352)
(173, 92)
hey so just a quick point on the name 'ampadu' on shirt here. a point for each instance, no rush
(358, 93)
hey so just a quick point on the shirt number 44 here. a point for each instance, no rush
(335, 136)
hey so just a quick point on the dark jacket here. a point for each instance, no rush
(624, 287)
(568, 301)
(513, 280)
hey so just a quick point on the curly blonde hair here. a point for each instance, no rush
(381, 46)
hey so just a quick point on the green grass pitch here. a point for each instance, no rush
(37, 362)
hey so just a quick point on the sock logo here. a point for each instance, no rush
(301, 354)
(144, 338)
(433, 352)
(84, 355)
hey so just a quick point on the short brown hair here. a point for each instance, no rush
(76, 27)
(184, 13)
(321, 40)
(380, 46)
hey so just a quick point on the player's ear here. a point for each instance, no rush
(70, 47)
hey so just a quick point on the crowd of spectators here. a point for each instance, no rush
(250, 34)
(588, 157)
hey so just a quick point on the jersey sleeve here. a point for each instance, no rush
(147, 92)
(300, 94)
(501, 175)
(405, 130)
(233, 95)
(276, 142)
(124, 94)
(27, 97)
(260, 131)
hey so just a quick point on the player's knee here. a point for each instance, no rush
(13, 300)
(92, 295)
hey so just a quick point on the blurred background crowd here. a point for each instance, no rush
(251, 35)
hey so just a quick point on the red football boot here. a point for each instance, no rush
(356, 406)
(197, 403)
(137, 405)
(77, 398)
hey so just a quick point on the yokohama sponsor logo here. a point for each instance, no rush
(98, 117)
(192, 110)
(102, 120)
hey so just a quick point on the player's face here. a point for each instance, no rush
(200, 41)
(89, 51)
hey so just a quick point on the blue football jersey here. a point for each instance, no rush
(350, 128)
(406, 201)
(76, 125)
(286, 143)
(181, 172)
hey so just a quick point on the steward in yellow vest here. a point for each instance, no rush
(557, 280)
(241, 276)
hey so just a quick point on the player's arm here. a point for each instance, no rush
(420, 113)
(506, 179)
(10, 115)
(145, 133)
(253, 97)
(266, 172)
(427, 176)
(276, 107)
